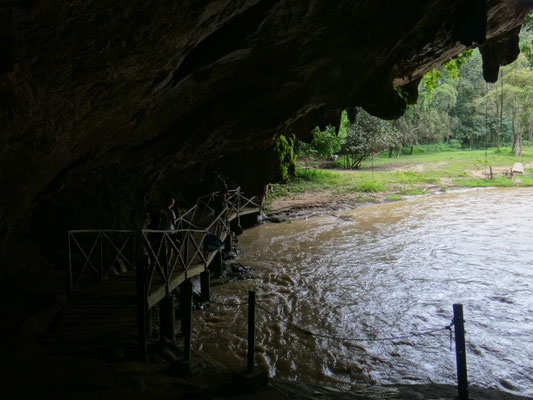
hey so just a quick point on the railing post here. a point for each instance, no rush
(186, 250)
(69, 268)
(460, 351)
(251, 330)
(140, 277)
(162, 256)
(239, 209)
(101, 255)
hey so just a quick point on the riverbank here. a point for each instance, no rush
(320, 188)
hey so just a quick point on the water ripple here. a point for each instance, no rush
(394, 269)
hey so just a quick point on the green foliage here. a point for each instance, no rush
(528, 22)
(527, 181)
(283, 148)
(430, 81)
(326, 143)
(526, 39)
(369, 186)
(365, 199)
(394, 197)
(498, 181)
(433, 78)
(411, 192)
(366, 136)
(454, 65)
(439, 170)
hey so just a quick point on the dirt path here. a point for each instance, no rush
(312, 204)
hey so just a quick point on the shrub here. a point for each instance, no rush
(284, 150)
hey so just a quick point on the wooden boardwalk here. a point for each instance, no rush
(104, 316)
(99, 318)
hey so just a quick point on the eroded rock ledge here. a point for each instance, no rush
(104, 105)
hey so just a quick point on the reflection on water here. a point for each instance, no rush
(388, 270)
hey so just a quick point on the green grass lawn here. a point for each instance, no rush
(458, 160)
(409, 175)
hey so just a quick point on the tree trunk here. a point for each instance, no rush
(501, 109)
(390, 152)
(411, 151)
(516, 139)
(520, 138)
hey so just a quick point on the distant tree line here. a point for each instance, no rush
(455, 106)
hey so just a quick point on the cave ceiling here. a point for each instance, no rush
(101, 101)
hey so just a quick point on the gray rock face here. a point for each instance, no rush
(105, 104)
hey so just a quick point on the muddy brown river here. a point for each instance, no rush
(383, 271)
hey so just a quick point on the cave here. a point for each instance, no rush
(108, 107)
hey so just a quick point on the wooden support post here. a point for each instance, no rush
(460, 351)
(491, 177)
(167, 318)
(204, 286)
(228, 242)
(217, 264)
(251, 330)
(186, 317)
(141, 296)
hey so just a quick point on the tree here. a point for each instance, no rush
(366, 136)
(327, 142)
(526, 39)
(517, 105)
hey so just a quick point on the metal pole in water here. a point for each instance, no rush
(251, 329)
(460, 351)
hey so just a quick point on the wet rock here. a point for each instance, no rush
(229, 255)
(518, 168)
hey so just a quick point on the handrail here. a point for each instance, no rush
(98, 255)
(100, 230)
(162, 259)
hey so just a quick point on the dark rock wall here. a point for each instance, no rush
(105, 105)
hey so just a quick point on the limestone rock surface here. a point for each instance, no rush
(106, 104)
